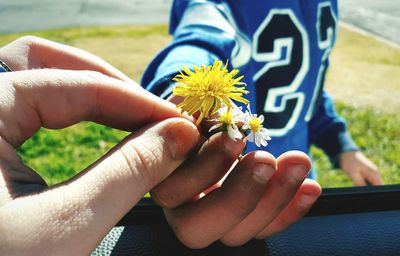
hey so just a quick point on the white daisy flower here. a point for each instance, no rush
(229, 117)
(257, 133)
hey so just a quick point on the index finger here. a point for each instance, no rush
(43, 53)
(59, 98)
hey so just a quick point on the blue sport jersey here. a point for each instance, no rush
(281, 47)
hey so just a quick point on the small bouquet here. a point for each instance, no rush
(211, 92)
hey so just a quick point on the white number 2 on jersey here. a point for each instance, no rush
(281, 42)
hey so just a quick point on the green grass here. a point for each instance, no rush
(69, 35)
(378, 136)
(58, 155)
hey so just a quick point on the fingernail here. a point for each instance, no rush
(308, 199)
(262, 173)
(181, 137)
(299, 172)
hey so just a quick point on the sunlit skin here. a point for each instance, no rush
(56, 86)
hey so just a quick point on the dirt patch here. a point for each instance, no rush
(365, 72)
(131, 55)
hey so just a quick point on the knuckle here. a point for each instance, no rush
(245, 201)
(294, 181)
(163, 197)
(241, 207)
(93, 81)
(32, 44)
(289, 181)
(28, 40)
(141, 161)
(94, 76)
(280, 206)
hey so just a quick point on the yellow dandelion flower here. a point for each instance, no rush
(207, 87)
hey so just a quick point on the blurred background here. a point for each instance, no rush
(364, 75)
(378, 17)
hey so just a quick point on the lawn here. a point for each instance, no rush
(364, 80)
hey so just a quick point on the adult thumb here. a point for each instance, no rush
(117, 181)
(149, 155)
(86, 207)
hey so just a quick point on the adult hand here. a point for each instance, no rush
(360, 169)
(260, 196)
(252, 203)
(72, 218)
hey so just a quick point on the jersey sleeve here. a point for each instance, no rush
(201, 34)
(328, 131)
